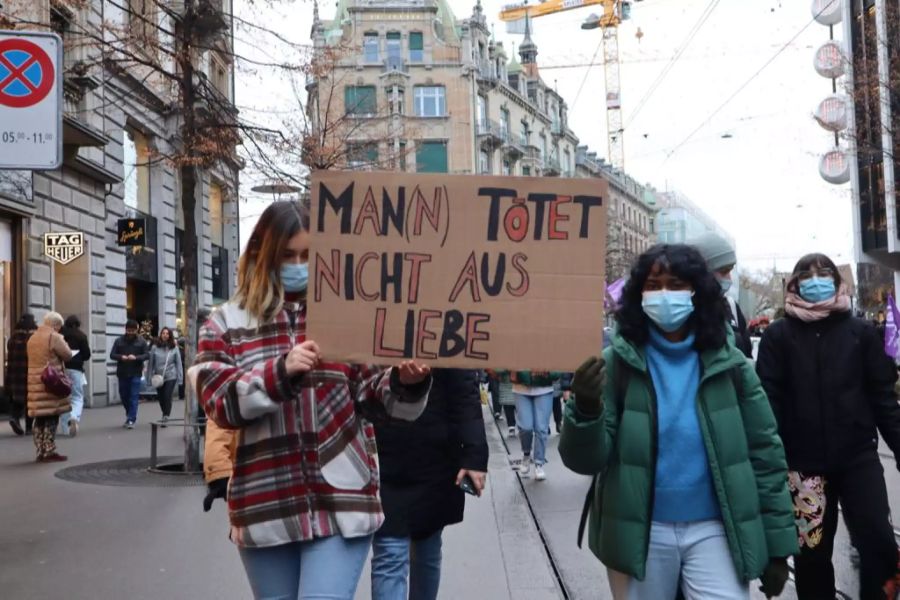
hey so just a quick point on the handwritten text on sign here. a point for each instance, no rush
(456, 270)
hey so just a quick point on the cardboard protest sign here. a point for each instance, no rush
(457, 271)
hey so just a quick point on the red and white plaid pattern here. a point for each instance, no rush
(306, 464)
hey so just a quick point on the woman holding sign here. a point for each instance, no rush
(690, 475)
(304, 495)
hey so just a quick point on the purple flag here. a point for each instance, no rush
(891, 333)
(614, 293)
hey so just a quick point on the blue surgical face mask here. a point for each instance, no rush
(817, 289)
(724, 283)
(668, 309)
(294, 276)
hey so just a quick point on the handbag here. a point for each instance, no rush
(55, 380)
(157, 380)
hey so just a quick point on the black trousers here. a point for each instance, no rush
(862, 494)
(164, 393)
(557, 412)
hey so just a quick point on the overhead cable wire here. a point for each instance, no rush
(586, 73)
(701, 21)
(740, 89)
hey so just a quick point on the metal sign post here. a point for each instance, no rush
(30, 100)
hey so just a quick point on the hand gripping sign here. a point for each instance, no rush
(457, 271)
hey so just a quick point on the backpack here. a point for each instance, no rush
(621, 378)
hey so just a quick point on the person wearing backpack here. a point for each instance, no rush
(831, 386)
(690, 487)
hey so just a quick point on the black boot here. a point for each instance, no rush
(16, 427)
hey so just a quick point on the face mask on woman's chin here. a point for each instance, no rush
(294, 277)
(669, 310)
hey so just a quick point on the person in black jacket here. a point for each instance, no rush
(720, 258)
(423, 465)
(129, 352)
(78, 342)
(832, 390)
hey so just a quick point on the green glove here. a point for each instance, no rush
(590, 378)
(774, 577)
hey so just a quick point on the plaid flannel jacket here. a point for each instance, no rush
(306, 465)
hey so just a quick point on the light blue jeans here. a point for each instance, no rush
(77, 399)
(321, 569)
(533, 418)
(696, 553)
(396, 560)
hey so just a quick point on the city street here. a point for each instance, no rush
(150, 538)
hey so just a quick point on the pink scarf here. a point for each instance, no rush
(796, 306)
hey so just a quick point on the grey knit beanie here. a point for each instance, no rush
(716, 250)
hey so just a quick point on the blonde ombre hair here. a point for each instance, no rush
(259, 288)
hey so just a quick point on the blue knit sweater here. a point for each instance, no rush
(684, 489)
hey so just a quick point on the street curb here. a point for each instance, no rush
(531, 573)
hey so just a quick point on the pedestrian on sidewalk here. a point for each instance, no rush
(303, 496)
(533, 391)
(46, 348)
(831, 386)
(721, 259)
(690, 477)
(17, 373)
(129, 353)
(423, 465)
(165, 370)
(506, 399)
(77, 340)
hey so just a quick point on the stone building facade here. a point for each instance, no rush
(118, 124)
(416, 89)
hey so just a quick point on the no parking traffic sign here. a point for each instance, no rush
(30, 100)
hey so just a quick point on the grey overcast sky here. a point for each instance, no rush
(761, 183)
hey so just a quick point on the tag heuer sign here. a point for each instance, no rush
(131, 232)
(64, 247)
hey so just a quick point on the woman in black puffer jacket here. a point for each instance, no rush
(831, 386)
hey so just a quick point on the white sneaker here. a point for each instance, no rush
(525, 467)
(511, 432)
(539, 474)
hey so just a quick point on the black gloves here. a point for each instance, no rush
(216, 488)
(774, 577)
(590, 378)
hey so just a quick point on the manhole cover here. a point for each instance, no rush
(133, 472)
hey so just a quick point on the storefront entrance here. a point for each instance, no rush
(9, 290)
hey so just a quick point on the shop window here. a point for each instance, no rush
(219, 274)
(7, 318)
(216, 215)
(430, 101)
(136, 165)
(416, 47)
(431, 157)
(359, 100)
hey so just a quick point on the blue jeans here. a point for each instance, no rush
(129, 392)
(324, 568)
(697, 553)
(77, 400)
(533, 419)
(396, 559)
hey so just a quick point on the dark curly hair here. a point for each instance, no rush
(708, 319)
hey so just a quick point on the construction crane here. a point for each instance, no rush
(614, 12)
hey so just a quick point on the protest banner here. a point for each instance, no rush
(457, 271)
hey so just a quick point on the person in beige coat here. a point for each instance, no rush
(46, 346)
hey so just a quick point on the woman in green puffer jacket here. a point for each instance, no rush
(692, 481)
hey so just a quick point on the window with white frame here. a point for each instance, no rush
(430, 101)
(370, 47)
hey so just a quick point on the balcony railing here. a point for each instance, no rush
(551, 166)
(395, 64)
(486, 70)
(491, 132)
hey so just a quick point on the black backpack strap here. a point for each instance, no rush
(620, 385)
